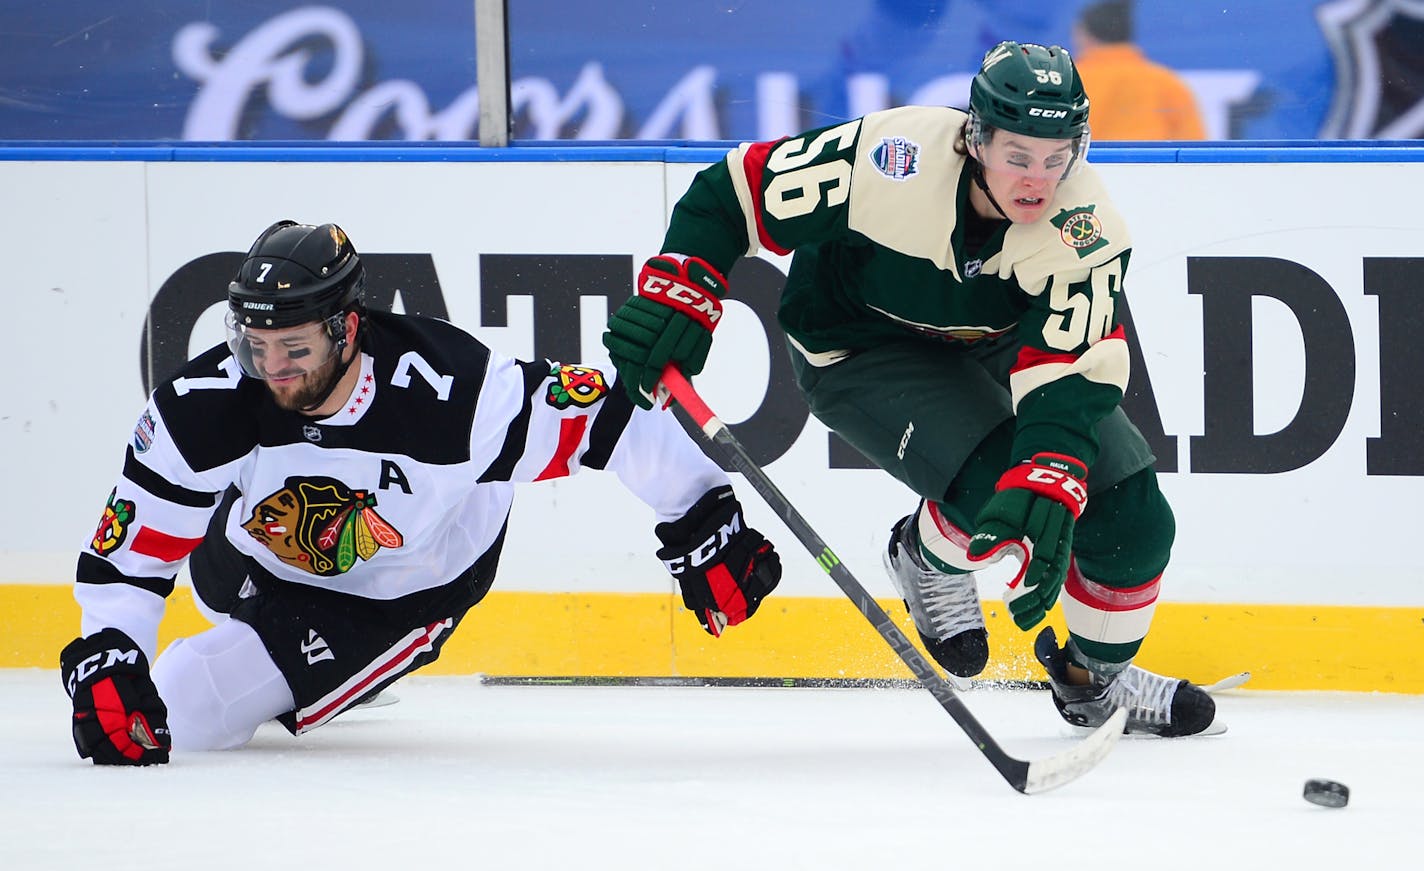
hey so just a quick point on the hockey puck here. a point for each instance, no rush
(1326, 793)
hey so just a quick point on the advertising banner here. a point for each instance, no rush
(365, 69)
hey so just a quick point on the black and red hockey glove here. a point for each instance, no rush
(118, 717)
(724, 567)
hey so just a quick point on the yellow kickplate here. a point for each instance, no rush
(1285, 647)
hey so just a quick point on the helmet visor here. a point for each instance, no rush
(287, 352)
(1015, 154)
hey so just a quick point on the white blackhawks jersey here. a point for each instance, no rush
(402, 490)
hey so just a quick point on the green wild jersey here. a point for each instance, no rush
(874, 211)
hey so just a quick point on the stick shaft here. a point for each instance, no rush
(1013, 770)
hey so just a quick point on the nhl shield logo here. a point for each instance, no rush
(1378, 68)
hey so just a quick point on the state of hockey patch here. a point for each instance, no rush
(896, 157)
(143, 433)
(1080, 230)
(575, 385)
(113, 526)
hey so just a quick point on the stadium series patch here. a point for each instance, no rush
(143, 433)
(896, 157)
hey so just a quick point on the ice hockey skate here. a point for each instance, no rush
(1156, 705)
(944, 607)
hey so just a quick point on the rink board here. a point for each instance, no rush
(1285, 647)
(1276, 362)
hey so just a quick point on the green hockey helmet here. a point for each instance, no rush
(1032, 90)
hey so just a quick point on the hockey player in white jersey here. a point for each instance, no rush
(340, 481)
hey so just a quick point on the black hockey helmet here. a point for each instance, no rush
(295, 274)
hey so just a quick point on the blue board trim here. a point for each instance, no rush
(1301, 151)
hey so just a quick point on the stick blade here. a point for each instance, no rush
(1054, 771)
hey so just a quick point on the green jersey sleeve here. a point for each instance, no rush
(1073, 366)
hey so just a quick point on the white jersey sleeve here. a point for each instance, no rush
(543, 420)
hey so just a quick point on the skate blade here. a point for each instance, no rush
(1217, 727)
(1228, 683)
(383, 699)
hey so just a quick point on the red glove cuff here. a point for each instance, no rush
(1054, 476)
(670, 280)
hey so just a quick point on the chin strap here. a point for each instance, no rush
(335, 380)
(984, 186)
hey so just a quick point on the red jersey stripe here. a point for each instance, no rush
(570, 436)
(161, 545)
(395, 659)
(754, 166)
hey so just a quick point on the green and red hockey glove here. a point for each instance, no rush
(118, 717)
(668, 320)
(1032, 514)
(723, 567)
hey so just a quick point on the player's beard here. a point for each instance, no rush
(311, 390)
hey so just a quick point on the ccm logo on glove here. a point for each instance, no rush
(110, 658)
(670, 281)
(708, 549)
(723, 567)
(1052, 481)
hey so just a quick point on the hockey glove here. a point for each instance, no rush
(1032, 514)
(668, 320)
(723, 567)
(118, 717)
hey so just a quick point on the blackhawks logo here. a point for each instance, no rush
(114, 525)
(320, 525)
(575, 385)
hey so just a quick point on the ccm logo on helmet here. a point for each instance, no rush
(1047, 113)
(684, 294)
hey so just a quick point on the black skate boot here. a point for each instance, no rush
(945, 608)
(1156, 705)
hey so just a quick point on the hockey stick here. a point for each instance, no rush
(1026, 777)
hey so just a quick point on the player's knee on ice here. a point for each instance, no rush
(219, 686)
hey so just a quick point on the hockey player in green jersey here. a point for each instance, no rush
(952, 311)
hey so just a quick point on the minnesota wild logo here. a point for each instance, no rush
(575, 385)
(1081, 230)
(114, 525)
(321, 525)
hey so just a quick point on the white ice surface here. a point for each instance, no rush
(460, 775)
